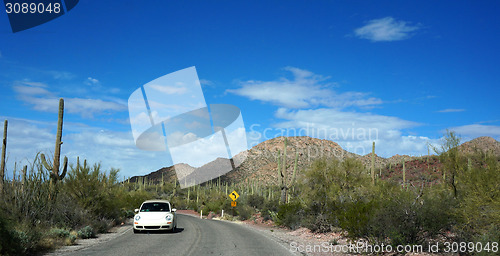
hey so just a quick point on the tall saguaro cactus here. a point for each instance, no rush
(4, 148)
(373, 163)
(282, 174)
(55, 173)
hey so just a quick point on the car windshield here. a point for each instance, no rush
(155, 207)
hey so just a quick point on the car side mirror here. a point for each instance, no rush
(174, 210)
(136, 210)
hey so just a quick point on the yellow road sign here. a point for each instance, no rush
(234, 195)
(233, 204)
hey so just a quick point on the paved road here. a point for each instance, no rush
(194, 237)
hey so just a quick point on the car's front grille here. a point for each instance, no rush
(139, 226)
(152, 227)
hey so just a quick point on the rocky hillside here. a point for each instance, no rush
(261, 165)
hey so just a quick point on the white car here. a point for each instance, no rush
(155, 215)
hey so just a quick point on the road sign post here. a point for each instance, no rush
(234, 195)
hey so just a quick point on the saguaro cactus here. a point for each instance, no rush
(404, 173)
(282, 174)
(373, 163)
(4, 148)
(55, 173)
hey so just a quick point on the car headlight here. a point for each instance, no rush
(137, 218)
(168, 217)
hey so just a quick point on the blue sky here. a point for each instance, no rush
(396, 72)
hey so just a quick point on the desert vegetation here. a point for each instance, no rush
(46, 204)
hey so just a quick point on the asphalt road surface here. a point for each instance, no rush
(194, 237)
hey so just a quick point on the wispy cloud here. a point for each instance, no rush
(114, 149)
(308, 105)
(304, 90)
(477, 130)
(42, 99)
(386, 29)
(206, 82)
(451, 110)
(60, 75)
(354, 131)
(91, 81)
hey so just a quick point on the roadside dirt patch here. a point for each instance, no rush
(101, 238)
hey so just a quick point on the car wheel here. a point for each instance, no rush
(136, 231)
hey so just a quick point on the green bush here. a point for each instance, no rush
(290, 215)
(356, 217)
(59, 232)
(256, 201)
(491, 235)
(244, 211)
(29, 239)
(10, 243)
(270, 209)
(319, 223)
(86, 232)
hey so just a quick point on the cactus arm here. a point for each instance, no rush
(44, 162)
(65, 169)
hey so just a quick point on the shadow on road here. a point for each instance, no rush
(150, 232)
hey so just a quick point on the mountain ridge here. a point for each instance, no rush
(261, 160)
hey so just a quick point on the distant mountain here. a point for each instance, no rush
(261, 161)
(484, 144)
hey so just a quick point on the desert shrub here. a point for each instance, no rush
(59, 232)
(479, 196)
(269, 209)
(193, 206)
(490, 236)
(244, 211)
(128, 213)
(29, 238)
(356, 216)
(437, 212)
(290, 215)
(410, 217)
(255, 201)
(333, 190)
(9, 239)
(318, 223)
(86, 232)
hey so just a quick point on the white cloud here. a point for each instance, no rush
(206, 82)
(30, 90)
(91, 81)
(385, 29)
(60, 75)
(38, 95)
(310, 107)
(346, 126)
(451, 110)
(477, 130)
(168, 89)
(113, 149)
(354, 131)
(305, 90)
